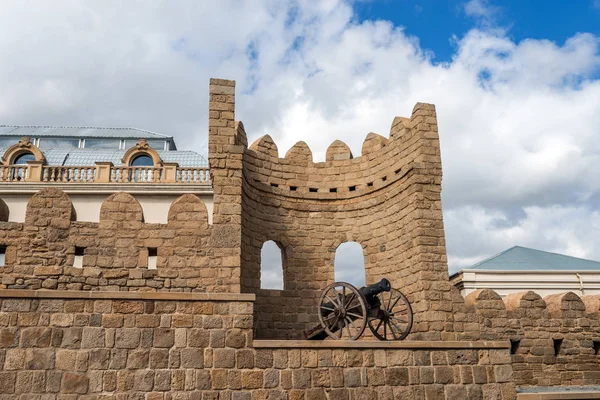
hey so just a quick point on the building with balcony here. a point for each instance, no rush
(89, 164)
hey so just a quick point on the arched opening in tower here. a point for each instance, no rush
(271, 266)
(349, 264)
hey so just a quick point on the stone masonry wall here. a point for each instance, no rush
(40, 252)
(388, 200)
(176, 346)
(556, 339)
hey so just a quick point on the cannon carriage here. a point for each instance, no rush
(344, 312)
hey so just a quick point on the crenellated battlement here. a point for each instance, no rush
(121, 252)
(383, 161)
(555, 339)
(387, 199)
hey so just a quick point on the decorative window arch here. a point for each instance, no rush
(141, 149)
(142, 160)
(24, 147)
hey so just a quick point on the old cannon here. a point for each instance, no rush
(345, 311)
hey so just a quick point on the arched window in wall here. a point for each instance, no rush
(22, 159)
(20, 173)
(271, 266)
(142, 174)
(349, 264)
(142, 160)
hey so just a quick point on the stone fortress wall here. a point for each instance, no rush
(40, 251)
(387, 200)
(555, 340)
(195, 327)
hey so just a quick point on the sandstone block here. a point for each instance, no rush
(66, 360)
(159, 358)
(74, 383)
(92, 338)
(352, 377)
(252, 379)
(8, 337)
(14, 359)
(164, 337)
(127, 338)
(39, 359)
(192, 358)
(198, 338)
(99, 358)
(36, 337)
(7, 382)
(224, 358)
(301, 378)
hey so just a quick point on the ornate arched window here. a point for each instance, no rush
(142, 151)
(22, 158)
(142, 160)
(19, 155)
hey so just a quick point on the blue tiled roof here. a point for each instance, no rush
(526, 259)
(79, 132)
(83, 157)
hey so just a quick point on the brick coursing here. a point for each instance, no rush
(388, 200)
(40, 251)
(155, 349)
(535, 325)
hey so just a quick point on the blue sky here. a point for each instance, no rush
(435, 22)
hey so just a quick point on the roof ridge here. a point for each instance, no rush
(556, 254)
(84, 127)
(494, 256)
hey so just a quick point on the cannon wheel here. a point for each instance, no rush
(342, 311)
(394, 319)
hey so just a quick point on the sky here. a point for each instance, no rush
(516, 85)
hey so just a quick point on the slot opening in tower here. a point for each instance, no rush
(514, 345)
(152, 257)
(78, 258)
(557, 345)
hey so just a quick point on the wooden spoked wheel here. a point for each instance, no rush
(342, 311)
(394, 318)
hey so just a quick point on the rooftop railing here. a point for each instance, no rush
(104, 172)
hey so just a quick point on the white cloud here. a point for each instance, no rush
(481, 10)
(518, 121)
(571, 230)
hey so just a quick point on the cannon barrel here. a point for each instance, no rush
(367, 291)
(373, 290)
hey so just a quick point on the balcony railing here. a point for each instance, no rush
(13, 173)
(104, 172)
(68, 174)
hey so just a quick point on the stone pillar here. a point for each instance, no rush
(433, 295)
(34, 171)
(169, 172)
(103, 171)
(225, 160)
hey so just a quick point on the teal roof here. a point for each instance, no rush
(526, 259)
